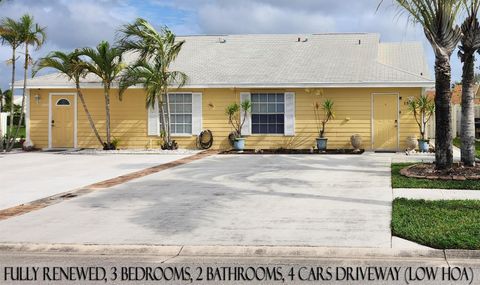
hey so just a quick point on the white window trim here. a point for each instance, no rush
(181, 134)
(74, 117)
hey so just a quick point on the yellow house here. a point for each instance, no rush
(283, 75)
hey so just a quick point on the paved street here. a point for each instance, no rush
(229, 200)
(26, 177)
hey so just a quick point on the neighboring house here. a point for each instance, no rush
(283, 75)
(456, 110)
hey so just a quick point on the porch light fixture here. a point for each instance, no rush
(37, 99)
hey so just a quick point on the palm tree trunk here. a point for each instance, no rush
(11, 103)
(106, 90)
(1, 130)
(468, 112)
(162, 113)
(443, 115)
(22, 110)
(169, 135)
(89, 116)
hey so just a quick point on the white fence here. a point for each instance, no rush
(456, 121)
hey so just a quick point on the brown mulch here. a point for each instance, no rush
(293, 151)
(428, 171)
(55, 199)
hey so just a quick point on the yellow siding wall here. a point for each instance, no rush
(129, 118)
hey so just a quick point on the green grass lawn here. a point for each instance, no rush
(400, 181)
(438, 224)
(457, 143)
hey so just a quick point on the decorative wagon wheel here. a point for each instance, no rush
(205, 139)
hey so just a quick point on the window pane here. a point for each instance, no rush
(280, 119)
(179, 108)
(280, 108)
(188, 129)
(255, 119)
(272, 119)
(272, 129)
(173, 129)
(263, 119)
(180, 129)
(255, 128)
(263, 98)
(187, 108)
(188, 119)
(271, 108)
(280, 97)
(254, 97)
(255, 108)
(179, 118)
(172, 119)
(271, 98)
(280, 129)
(187, 98)
(263, 129)
(263, 108)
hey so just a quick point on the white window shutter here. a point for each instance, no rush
(196, 113)
(247, 126)
(289, 114)
(153, 123)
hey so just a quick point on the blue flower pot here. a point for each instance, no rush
(239, 144)
(322, 144)
(423, 145)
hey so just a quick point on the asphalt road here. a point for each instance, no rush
(133, 269)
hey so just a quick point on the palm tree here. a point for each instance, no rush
(74, 68)
(11, 34)
(106, 63)
(437, 17)
(149, 44)
(470, 44)
(155, 81)
(32, 35)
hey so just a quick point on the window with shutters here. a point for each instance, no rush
(268, 113)
(180, 113)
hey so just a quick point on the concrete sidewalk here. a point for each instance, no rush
(436, 194)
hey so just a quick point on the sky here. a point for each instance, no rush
(72, 24)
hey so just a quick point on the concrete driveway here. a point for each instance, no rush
(229, 200)
(26, 177)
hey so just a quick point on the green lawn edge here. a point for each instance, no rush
(445, 224)
(400, 181)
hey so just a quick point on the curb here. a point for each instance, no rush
(240, 251)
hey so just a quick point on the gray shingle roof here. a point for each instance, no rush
(282, 60)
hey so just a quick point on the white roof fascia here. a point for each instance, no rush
(424, 84)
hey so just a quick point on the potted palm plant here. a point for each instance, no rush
(422, 108)
(234, 112)
(327, 110)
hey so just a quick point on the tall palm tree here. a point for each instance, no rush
(105, 62)
(437, 17)
(74, 68)
(12, 35)
(155, 81)
(162, 47)
(470, 44)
